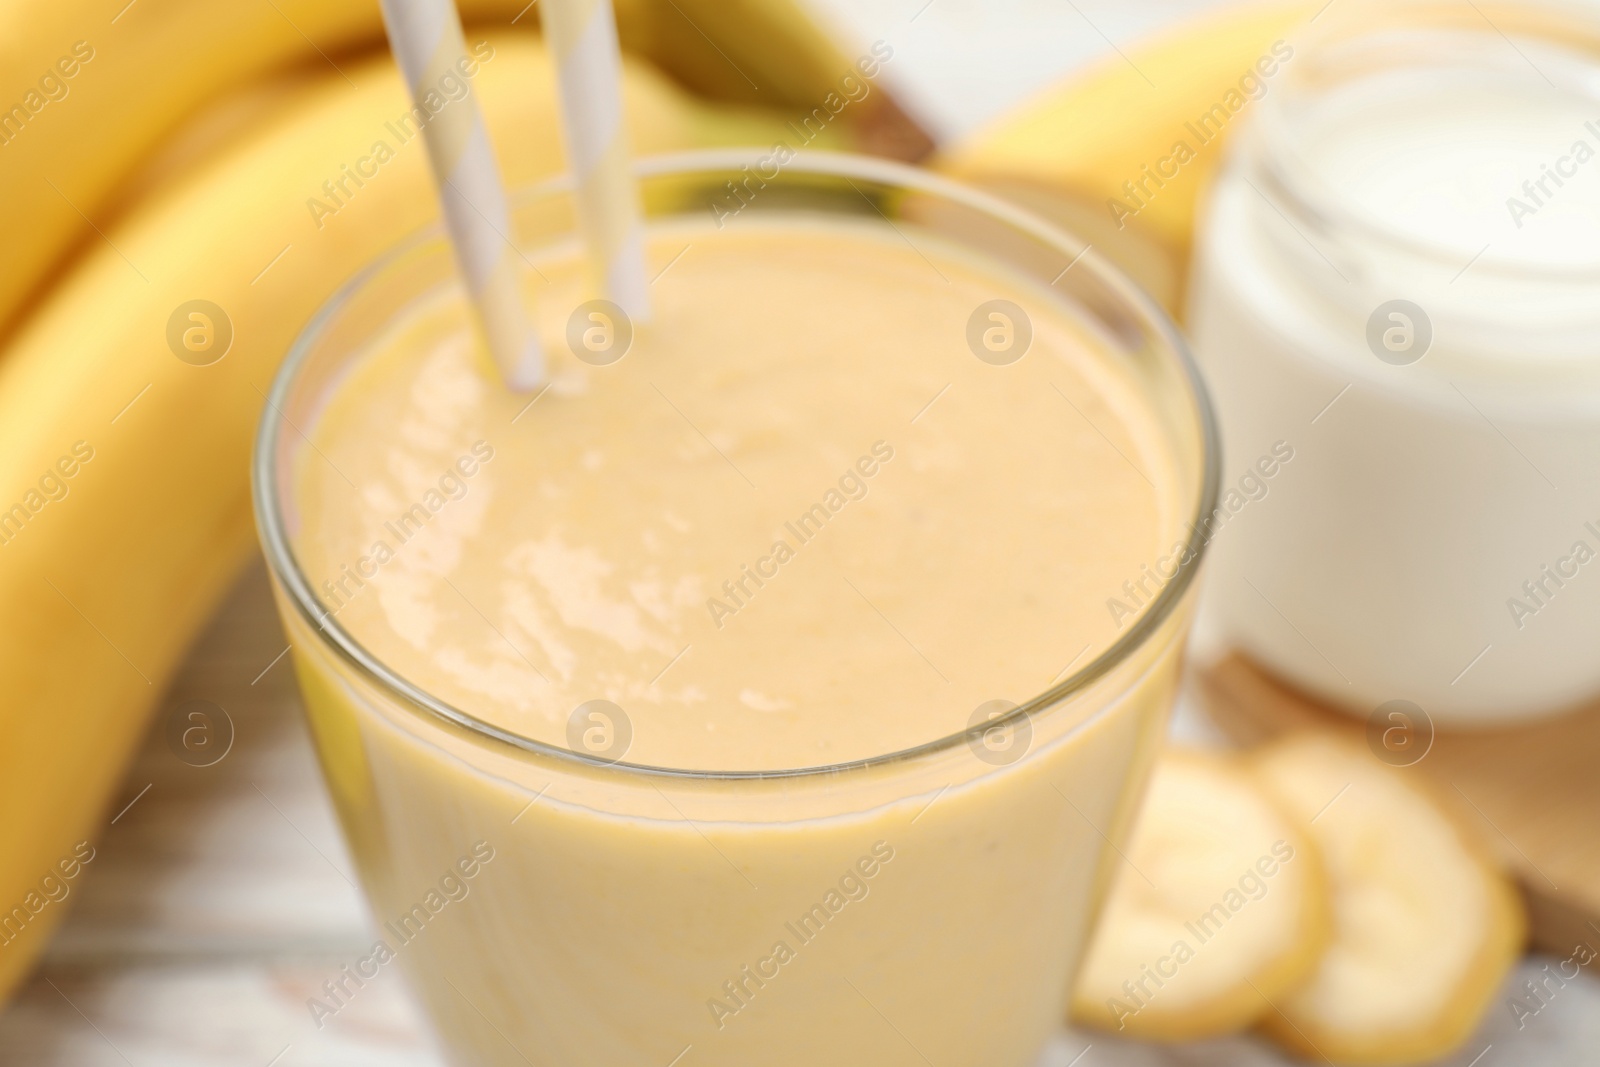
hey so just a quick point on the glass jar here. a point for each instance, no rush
(1396, 301)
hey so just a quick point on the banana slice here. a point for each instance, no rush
(1220, 908)
(1425, 925)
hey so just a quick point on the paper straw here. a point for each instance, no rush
(425, 36)
(583, 40)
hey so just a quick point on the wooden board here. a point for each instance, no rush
(1533, 789)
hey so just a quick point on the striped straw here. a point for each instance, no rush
(425, 36)
(583, 40)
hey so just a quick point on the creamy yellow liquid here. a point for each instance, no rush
(973, 521)
(737, 533)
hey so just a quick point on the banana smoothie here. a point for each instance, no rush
(672, 615)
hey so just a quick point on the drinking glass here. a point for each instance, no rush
(555, 905)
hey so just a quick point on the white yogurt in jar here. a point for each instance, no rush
(1436, 537)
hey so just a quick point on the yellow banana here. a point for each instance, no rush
(766, 52)
(1425, 926)
(124, 506)
(89, 87)
(1235, 913)
(1107, 136)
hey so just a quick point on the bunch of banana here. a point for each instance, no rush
(124, 504)
(88, 88)
(1308, 891)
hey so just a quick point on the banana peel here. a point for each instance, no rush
(1069, 152)
(108, 579)
(67, 142)
(765, 53)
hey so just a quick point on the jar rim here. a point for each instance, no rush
(1276, 142)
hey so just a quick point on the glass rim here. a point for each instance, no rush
(286, 569)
